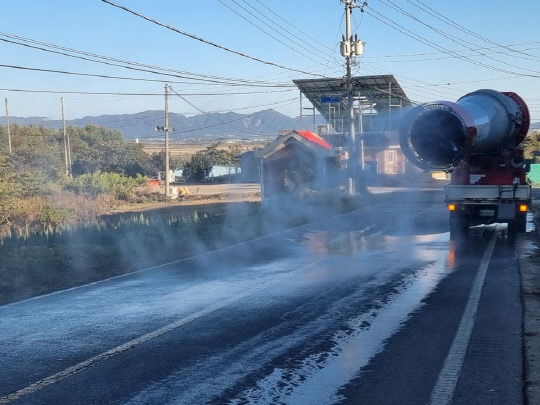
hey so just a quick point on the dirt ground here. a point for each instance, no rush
(209, 196)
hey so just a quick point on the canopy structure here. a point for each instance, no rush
(379, 96)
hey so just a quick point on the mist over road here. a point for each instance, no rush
(375, 306)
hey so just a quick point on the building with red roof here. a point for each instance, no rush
(297, 163)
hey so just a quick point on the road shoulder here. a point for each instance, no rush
(529, 267)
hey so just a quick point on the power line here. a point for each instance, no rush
(160, 115)
(65, 72)
(107, 60)
(219, 121)
(444, 53)
(398, 27)
(291, 37)
(99, 93)
(464, 43)
(424, 7)
(296, 28)
(203, 112)
(429, 56)
(192, 36)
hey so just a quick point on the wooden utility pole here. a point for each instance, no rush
(166, 129)
(8, 129)
(67, 151)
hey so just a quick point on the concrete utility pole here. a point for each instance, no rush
(350, 96)
(351, 47)
(8, 129)
(67, 151)
(166, 129)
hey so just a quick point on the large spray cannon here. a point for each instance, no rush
(477, 139)
(441, 134)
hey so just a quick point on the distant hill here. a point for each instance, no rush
(211, 126)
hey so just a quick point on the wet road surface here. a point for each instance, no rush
(372, 307)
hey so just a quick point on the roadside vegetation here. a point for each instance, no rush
(54, 227)
(49, 261)
(37, 195)
(531, 146)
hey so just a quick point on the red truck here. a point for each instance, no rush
(478, 140)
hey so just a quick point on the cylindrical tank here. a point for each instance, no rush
(441, 134)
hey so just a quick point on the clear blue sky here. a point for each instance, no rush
(483, 44)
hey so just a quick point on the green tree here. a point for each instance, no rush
(97, 148)
(158, 161)
(203, 161)
(38, 149)
(198, 167)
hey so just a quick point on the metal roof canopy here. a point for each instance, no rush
(329, 95)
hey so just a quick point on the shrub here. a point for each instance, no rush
(117, 185)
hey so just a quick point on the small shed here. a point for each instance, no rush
(295, 164)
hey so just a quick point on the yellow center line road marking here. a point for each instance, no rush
(77, 368)
(443, 391)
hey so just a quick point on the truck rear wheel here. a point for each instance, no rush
(518, 225)
(459, 226)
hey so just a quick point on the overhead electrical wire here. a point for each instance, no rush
(442, 88)
(427, 9)
(249, 21)
(209, 126)
(102, 76)
(463, 43)
(414, 83)
(98, 93)
(203, 112)
(280, 30)
(398, 27)
(207, 79)
(430, 54)
(138, 94)
(218, 120)
(296, 27)
(205, 41)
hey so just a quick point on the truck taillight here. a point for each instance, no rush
(451, 207)
(522, 208)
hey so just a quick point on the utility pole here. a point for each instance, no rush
(351, 47)
(166, 129)
(8, 129)
(67, 151)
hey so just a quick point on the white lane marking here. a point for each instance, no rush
(322, 374)
(443, 391)
(145, 338)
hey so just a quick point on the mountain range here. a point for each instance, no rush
(143, 125)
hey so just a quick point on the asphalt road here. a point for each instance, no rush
(372, 307)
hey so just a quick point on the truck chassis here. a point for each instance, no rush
(471, 205)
